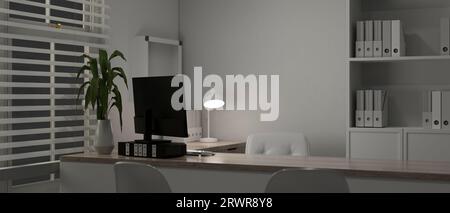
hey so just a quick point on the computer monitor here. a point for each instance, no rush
(154, 114)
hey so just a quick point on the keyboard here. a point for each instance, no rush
(199, 153)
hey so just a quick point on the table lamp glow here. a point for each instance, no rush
(211, 105)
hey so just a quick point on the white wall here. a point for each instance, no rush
(302, 41)
(130, 18)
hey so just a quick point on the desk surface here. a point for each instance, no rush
(434, 171)
(207, 146)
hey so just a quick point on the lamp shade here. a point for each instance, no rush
(214, 104)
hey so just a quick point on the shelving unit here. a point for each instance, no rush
(406, 78)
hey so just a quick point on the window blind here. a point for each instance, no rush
(41, 43)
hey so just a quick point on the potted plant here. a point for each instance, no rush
(103, 94)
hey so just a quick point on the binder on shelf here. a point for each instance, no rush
(385, 109)
(398, 39)
(445, 109)
(427, 115)
(368, 109)
(377, 108)
(387, 38)
(445, 36)
(380, 109)
(360, 102)
(368, 44)
(378, 39)
(436, 109)
(360, 31)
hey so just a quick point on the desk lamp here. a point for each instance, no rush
(211, 105)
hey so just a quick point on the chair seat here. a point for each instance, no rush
(307, 181)
(139, 178)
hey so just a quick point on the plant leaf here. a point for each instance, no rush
(113, 105)
(88, 57)
(103, 61)
(118, 104)
(87, 98)
(99, 113)
(81, 89)
(94, 91)
(117, 54)
(103, 99)
(120, 72)
(111, 77)
(83, 68)
(94, 68)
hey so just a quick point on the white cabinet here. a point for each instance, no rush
(413, 144)
(386, 144)
(427, 145)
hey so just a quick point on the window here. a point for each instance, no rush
(41, 43)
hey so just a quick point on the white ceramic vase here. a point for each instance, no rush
(104, 143)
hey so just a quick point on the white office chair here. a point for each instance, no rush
(307, 181)
(139, 178)
(293, 144)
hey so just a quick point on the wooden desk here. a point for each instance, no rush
(220, 147)
(250, 173)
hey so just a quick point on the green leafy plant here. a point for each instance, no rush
(102, 93)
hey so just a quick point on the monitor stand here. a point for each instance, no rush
(148, 132)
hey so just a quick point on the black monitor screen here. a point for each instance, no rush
(153, 95)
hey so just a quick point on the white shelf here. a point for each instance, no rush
(386, 129)
(399, 59)
(162, 41)
(376, 5)
(376, 130)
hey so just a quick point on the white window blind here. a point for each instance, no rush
(41, 42)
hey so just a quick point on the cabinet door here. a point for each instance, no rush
(427, 145)
(383, 144)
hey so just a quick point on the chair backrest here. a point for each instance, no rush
(139, 178)
(307, 181)
(293, 144)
